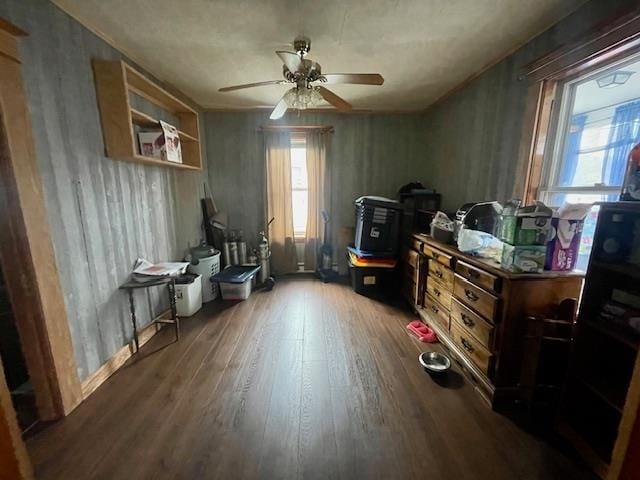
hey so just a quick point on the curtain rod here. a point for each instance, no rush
(296, 128)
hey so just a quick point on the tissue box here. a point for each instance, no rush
(563, 247)
(523, 258)
(163, 144)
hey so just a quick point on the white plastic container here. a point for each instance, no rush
(236, 291)
(207, 267)
(189, 297)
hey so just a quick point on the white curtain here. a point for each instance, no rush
(279, 205)
(319, 194)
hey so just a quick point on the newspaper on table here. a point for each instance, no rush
(145, 271)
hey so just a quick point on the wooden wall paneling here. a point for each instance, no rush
(474, 145)
(369, 155)
(111, 366)
(14, 459)
(102, 214)
(28, 257)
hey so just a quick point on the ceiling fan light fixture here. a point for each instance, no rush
(303, 98)
(303, 73)
(614, 79)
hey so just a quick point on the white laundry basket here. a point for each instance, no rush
(207, 267)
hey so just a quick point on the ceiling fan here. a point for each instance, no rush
(302, 73)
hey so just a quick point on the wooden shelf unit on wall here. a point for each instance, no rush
(115, 80)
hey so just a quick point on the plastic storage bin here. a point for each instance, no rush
(235, 281)
(188, 294)
(377, 225)
(358, 258)
(372, 281)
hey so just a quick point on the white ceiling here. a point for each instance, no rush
(423, 48)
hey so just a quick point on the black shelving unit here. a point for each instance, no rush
(602, 394)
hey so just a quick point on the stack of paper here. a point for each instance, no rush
(145, 271)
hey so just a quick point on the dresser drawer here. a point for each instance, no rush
(437, 312)
(472, 348)
(416, 245)
(439, 256)
(473, 323)
(412, 258)
(478, 276)
(439, 292)
(441, 273)
(477, 299)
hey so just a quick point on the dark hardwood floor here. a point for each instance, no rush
(307, 381)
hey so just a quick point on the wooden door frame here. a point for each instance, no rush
(14, 459)
(26, 249)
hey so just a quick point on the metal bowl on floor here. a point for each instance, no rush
(434, 362)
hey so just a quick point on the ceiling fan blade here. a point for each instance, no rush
(280, 109)
(334, 99)
(251, 85)
(355, 78)
(291, 60)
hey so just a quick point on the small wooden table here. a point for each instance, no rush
(170, 282)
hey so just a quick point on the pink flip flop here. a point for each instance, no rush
(424, 333)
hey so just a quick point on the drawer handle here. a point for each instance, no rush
(467, 321)
(434, 309)
(435, 255)
(470, 295)
(467, 346)
(473, 274)
(437, 273)
(436, 292)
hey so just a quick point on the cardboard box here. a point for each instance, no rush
(526, 225)
(523, 258)
(563, 247)
(163, 144)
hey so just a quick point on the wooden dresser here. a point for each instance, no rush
(478, 310)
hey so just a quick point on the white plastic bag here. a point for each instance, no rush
(479, 243)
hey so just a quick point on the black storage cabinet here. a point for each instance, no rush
(378, 225)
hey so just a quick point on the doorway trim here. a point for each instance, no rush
(26, 249)
(14, 459)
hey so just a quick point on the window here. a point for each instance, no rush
(299, 185)
(598, 122)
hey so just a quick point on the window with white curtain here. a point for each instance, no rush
(299, 185)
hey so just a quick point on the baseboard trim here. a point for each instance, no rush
(111, 366)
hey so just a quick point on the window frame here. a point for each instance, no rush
(299, 140)
(556, 138)
(604, 45)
